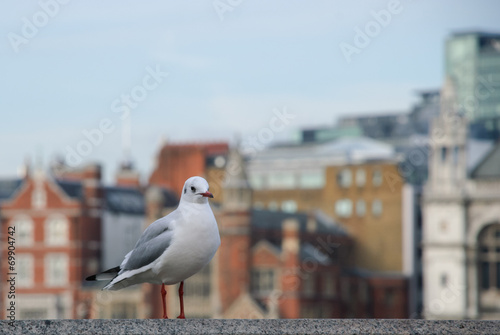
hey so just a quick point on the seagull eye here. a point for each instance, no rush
(193, 188)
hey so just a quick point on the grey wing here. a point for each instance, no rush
(152, 243)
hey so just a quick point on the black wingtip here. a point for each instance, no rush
(114, 271)
(91, 278)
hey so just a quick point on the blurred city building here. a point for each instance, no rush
(461, 219)
(68, 226)
(354, 180)
(57, 240)
(473, 62)
(282, 264)
(271, 263)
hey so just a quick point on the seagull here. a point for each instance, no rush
(172, 248)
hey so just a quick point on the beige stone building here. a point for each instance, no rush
(353, 180)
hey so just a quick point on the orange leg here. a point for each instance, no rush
(181, 300)
(163, 298)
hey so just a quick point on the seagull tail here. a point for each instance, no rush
(106, 275)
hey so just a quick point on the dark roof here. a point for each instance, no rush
(8, 187)
(273, 220)
(489, 167)
(170, 198)
(364, 273)
(124, 200)
(73, 189)
(309, 253)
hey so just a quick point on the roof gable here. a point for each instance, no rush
(245, 307)
(21, 196)
(265, 253)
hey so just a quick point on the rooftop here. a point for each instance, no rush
(341, 151)
(8, 187)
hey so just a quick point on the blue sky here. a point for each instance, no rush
(227, 71)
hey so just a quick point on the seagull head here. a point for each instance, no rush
(196, 190)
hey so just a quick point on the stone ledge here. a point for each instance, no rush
(213, 326)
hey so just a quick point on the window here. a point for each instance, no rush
(283, 180)
(199, 284)
(309, 284)
(262, 281)
(38, 198)
(363, 292)
(33, 313)
(56, 230)
(489, 258)
(456, 152)
(360, 208)
(289, 206)
(273, 206)
(377, 177)
(344, 177)
(343, 208)
(345, 290)
(389, 297)
(257, 182)
(377, 207)
(25, 270)
(444, 280)
(310, 180)
(360, 177)
(329, 284)
(56, 269)
(444, 153)
(258, 205)
(24, 230)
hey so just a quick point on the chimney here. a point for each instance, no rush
(127, 176)
(290, 278)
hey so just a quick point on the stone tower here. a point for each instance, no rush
(444, 206)
(448, 139)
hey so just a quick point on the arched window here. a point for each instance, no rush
(56, 269)
(360, 177)
(24, 230)
(56, 230)
(377, 177)
(343, 208)
(489, 264)
(377, 207)
(344, 178)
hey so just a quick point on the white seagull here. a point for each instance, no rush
(172, 248)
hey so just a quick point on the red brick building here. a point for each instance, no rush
(57, 241)
(270, 264)
(177, 162)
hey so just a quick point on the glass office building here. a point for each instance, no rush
(473, 61)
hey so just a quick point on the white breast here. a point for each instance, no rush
(194, 244)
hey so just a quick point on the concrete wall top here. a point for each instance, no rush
(211, 326)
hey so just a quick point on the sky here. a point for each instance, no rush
(82, 80)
